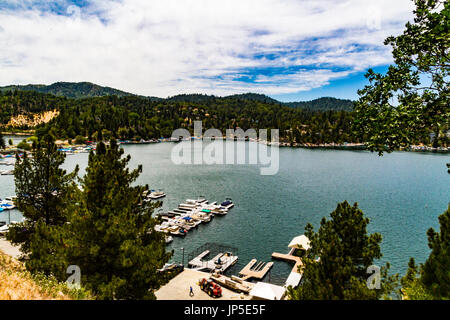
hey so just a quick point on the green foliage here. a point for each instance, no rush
(345, 251)
(24, 145)
(324, 104)
(129, 117)
(412, 286)
(80, 139)
(69, 89)
(2, 141)
(53, 287)
(411, 99)
(42, 189)
(32, 139)
(112, 232)
(436, 270)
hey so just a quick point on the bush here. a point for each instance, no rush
(24, 145)
(80, 140)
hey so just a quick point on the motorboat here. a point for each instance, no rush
(154, 195)
(227, 204)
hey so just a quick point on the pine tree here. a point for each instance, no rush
(431, 280)
(335, 267)
(113, 238)
(436, 270)
(43, 190)
(2, 141)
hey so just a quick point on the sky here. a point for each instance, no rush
(291, 50)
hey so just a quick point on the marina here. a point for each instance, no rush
(270, 210)
(190, 215)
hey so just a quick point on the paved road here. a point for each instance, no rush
(9, 249)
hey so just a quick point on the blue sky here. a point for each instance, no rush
(343, 88)
(291, 50)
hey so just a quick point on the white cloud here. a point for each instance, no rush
(169, 47)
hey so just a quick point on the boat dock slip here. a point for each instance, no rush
(219, 263)
(300, 243)
(289, 257)
(255, 270)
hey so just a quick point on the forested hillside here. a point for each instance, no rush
(87, 89)
(70, 89)
(134, 117)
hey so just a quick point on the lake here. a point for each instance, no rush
(402, 193)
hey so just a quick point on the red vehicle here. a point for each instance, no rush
(211, 288)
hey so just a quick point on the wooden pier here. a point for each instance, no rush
(289, 257)
(255, 269)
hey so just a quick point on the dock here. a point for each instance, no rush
(289, 257)
(226, 260)
(255, 269)
(299, 243)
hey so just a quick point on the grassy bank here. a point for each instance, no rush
(16, 283)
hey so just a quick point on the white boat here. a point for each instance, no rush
(7, 205)
(187, 206)
(4, 228)
(156, 195)
(177, 231)
(168, 239)
(181, 223)
(204, 217)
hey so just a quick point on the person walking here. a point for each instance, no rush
(191, 292)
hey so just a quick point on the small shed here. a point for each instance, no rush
(267, 291)
(301, 241)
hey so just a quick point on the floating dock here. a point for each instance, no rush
(226, 261)
(255, 269)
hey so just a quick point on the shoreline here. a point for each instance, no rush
(330, 146)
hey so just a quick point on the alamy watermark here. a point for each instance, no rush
(213, 147)
(374, 281)
(74, 280)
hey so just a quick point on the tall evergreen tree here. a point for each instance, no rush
(113, 238)
(42, 189)
(431, 280)
(436, 270)
(335, 267)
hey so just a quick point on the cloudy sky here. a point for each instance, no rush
(288, 49)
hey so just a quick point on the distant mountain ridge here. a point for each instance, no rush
(86, 89)
(70, 89)
(323, 104)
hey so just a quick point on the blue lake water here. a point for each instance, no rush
(402, 193)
